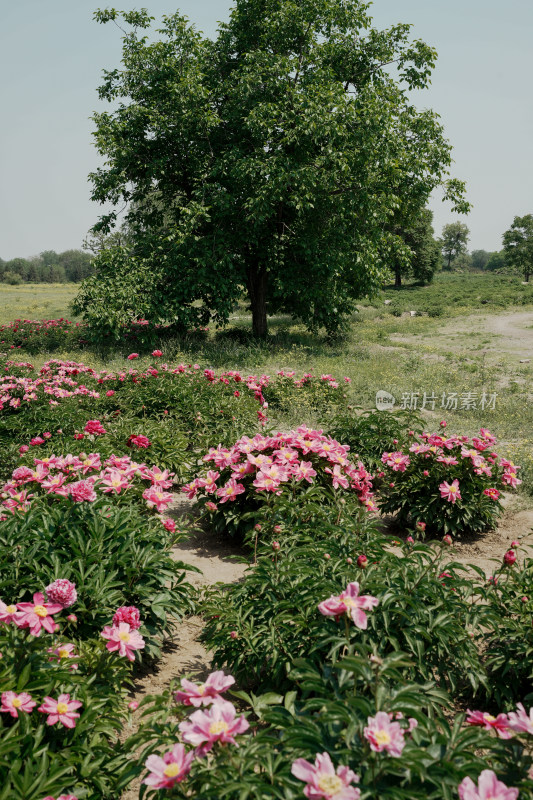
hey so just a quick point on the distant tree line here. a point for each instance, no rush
(71, 266)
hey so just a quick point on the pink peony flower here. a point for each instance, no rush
(322, 781)
(110, 393)
(349, 602)
(133, 356)
(94, 427)
(12, 703)
(520, 721)
(123, 639)
(509, 557)
(492, 493)
(169, 525)
(82, 491)
(63, 592)
(172, 768)
(62, 710)
(192, 694)
(139, 441)
(217, 724)
(63, 652)
(488, 788)
(384, 735)
(129, 614)
(37, 615)
(500, 724)
(450, 491)
(362, 561)
(156, 498)
(157, 353)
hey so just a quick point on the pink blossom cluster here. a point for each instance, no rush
(504, 725)
(449, 451)
(81, 477)
(62, 710)
(266, 463)
(218, 724)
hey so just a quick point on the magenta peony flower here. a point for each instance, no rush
(37, 615)
(157, 353)
(62, 710)
(138, 441)
(63, 592)
(123, 639)
(133, 356)
(500, 724)
(323, 781)
(172, 768)
(94, 427)
(488, 788)
(157, 498)
(509, 557)
(129, 614)
(169, 525)
(218, 724)
(349, 602)
(12, 703)
(82, 491)
(384, 735)
(203, 694)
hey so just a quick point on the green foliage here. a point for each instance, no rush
(304, 147)
(518, 245)
(115, 556)
(453, 242)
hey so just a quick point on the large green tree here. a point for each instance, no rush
(454, 242)
(420, 255)
(271, 160)
(518, 245)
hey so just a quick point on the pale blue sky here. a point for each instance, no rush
(52, 55)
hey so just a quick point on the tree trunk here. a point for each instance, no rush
(397, 278)
(526, 275)
(257, 292)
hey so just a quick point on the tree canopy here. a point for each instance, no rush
(271, 160)
(518, 245)
(454, 242)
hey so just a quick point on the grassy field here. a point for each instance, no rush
(472, 336)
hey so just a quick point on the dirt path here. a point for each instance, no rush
(217, 560)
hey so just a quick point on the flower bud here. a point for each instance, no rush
(514, 543)
(258, 528)
(447, 539)
(133, 705)
(420, 526)
(349, 560)
(72, 618)
(524, 599)
(362, 562)
(327, 556)
(509, 557)
(410, 540)
(276, 546)
(277, 528)
(443, 423)
(426, 473)
(233, 634)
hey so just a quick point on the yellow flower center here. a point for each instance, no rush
(201, 688)
(124, 636)
(218, 727)
(62, 708)
(11, 609)
(330, 784)
(453, 489)
(171, 770)
(488, 717)
(349, 602)
(16, 702)
(40, 611)
(382, 737)
(63, 652)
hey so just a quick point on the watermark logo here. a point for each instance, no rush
(384, 400)
(449, 401)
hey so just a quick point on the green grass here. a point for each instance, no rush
(36, 301)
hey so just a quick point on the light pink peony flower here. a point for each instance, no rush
(349, 602)
(450, 491)
(384, 735)
(323, 781)
(520, 721)
(123, 639)
(218, 724)
(12, 703)
(500, 724)
(129, 614)
(8, 613)
(157, 498)
(62, 710)
(37, 615)
(203, 694)
(63, 592)
(63, 652)
(172, 768)
(488, 788)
